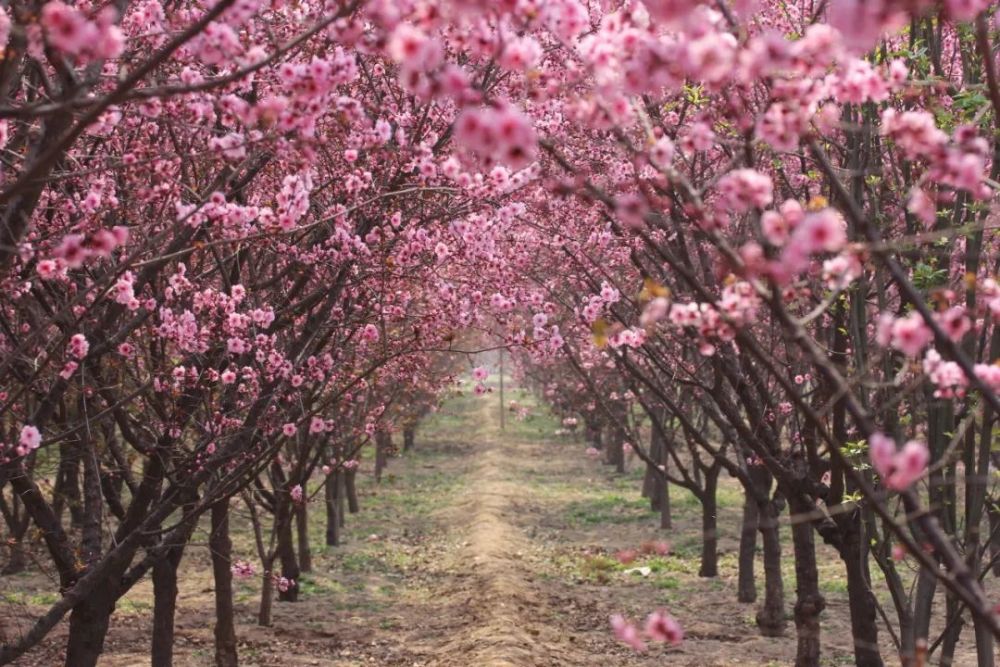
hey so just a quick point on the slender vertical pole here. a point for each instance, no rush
(503, 410)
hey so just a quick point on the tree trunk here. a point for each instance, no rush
(17, 561)
(302, 531)
(332, 513)
(864, 623)
(923, 606)
(351, 491)
(266, 595)
(286, 551)
(771, 616)
(952, 633)
(615, 452)
(652, 480)
(709, 529)
(994, 513)
(409, 438)
(809, 602)
(165, 607)
(666, 520)
(67, 487)
(746, 589)
(221, 548)
(88, 626)
(383, 441)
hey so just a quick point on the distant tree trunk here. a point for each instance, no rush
(993, 509)
(771, 616)
(652, 480)
(67, 487)
(302, 530)
(953, 632)
(864, 623)
(342, 496)
(332, 513)
(614, 454)
(409, 438)
(286, 550)
(221, 548)
(709, 525)
(266, 594)
(746, 589)
(383, 443)
(809, 602)
(165, 607)
(923, 605)
(90, 618)
(351, 491)
(18, 520)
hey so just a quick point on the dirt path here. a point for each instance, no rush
(508, 616)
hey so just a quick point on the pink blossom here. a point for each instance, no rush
(631, 209)
(236, 345)
(78, 346)
(289, 429)
(922, 206)
(370, 333)
(909, 334)
(296, 494)
(316, 425)
(66, 28)
(521, 54)
(965, 10)
(30, 437)
(955, 322)
(654, 311)
(661, 153)
(47, 269)
(228, 376)
(479, 373)
(744, 189)
(627, 633)
(662, 627)
(898, 469)
(822, 231)
(72, 251)
(242, 569)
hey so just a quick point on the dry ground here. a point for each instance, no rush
(481, 548)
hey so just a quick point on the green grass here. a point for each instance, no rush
(607, 508)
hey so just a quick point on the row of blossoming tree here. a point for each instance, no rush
(235, 235)
(775, 237)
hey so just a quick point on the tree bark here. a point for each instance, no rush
(266, 596)
(771, 616)
(746, 589)
(864, 623)
(302, 532)
(809, 602)
(409, 438)
(88, 626)
(165, 607)
(286, 551)
(332, 510)
(221, 548)
(709, 525)
(351, 490)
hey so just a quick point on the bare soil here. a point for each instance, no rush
(481, 548)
